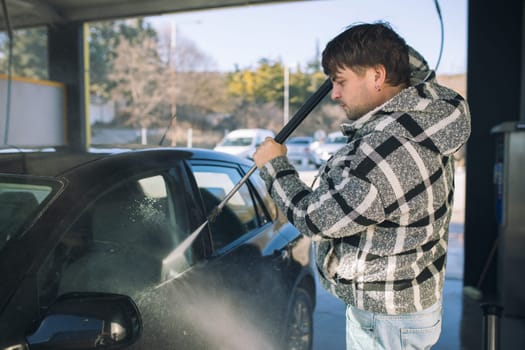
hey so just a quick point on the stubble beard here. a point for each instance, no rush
(351, 113)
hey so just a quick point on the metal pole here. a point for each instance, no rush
(190, 138)
(286, 112)
(491, 326)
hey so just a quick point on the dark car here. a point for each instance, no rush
(112, 249)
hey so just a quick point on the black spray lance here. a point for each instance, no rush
(285, 132)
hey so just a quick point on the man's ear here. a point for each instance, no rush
(379, 75)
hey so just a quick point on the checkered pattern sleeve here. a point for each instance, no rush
(344, 203)
(379, 179)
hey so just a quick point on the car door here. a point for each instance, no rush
(249, 250)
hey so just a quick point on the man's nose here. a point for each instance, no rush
(334, 95)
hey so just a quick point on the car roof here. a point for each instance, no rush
(57, 162)
(249, 132)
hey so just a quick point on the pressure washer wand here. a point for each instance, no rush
(286, 131)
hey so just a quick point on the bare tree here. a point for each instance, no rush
(196, 82)
(142, 82)
(198, 90)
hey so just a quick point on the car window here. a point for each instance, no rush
(337, 139)
(238, 216)
(20, 200)
(238, 141)
(122, 243)
(298, 142)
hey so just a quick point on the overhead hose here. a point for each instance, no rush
(442, 28)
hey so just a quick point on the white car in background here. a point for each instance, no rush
(333, 142)
(243, 142)
(301, 152)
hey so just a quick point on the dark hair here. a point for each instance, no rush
(366, 45)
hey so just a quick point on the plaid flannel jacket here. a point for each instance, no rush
(379, 217)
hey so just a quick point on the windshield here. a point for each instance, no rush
(20, 201)
(237, 141)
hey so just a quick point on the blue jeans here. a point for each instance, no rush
(373, 331)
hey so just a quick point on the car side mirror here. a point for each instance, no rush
(88, 321)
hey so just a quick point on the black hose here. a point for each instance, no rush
(303, 111)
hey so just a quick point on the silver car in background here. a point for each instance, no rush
(243, 142)
(301, 151)
(333, 142)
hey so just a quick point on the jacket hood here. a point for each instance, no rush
(425, 112)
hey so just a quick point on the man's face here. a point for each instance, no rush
(356, 93)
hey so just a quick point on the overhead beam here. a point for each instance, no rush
(30, 13)
(116, 9)
(24, 13)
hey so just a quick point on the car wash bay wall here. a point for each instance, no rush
(494, 83)
(34, 115)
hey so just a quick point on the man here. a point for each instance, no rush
(379, 217)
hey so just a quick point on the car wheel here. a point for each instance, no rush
(299, 328)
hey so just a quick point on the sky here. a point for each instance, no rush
(291, 31)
